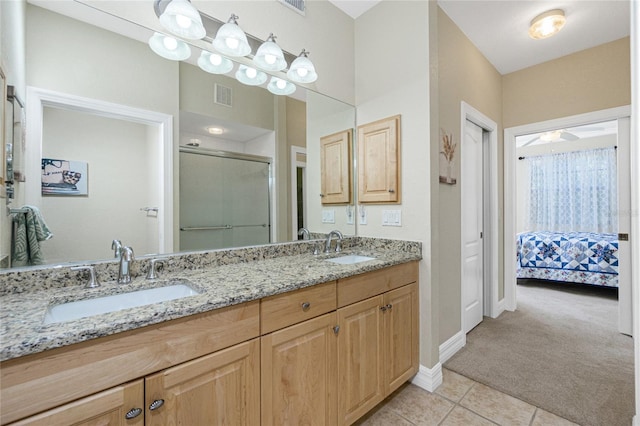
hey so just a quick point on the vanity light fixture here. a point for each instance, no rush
(250, 76)
(278, 86)
(231, 40)
(269, 56)
(182, 19)
(547, 24)
(214, 63)
(169, 47)
(302, 69)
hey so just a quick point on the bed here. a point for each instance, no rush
(577, 257)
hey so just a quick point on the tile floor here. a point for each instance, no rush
(458, 401)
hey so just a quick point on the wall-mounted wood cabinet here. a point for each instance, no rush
(335, 167)
(379, 161)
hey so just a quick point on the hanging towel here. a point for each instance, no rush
(30, 229)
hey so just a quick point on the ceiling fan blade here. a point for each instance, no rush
(530, 141)
(569, 136)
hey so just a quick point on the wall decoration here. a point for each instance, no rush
(64, 177)
(447, 157)
(3, 96)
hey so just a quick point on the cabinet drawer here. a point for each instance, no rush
(282, 310)
(360, 287)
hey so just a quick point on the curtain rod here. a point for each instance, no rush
(614, 147)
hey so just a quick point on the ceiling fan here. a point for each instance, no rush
(561, 134)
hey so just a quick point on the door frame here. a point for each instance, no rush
(492, 306)
(295, 150)
(510, 183)
(38, 99)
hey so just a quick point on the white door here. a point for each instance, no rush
(471, 179)
(625, 319)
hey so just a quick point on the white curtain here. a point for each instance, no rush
(574, 192)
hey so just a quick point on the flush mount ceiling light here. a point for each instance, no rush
(215, 130)
(182, 19)
(169, 47)
(302, 69)
(214, 63)
(250, 76)
(547, 24)
(551, 136)
(278, 86)
(269, 56)
(231, 40)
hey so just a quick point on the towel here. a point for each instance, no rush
(30, 229)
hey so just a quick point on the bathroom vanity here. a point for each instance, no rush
(272, 340)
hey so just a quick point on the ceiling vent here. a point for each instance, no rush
(297, 5)
(223, 95)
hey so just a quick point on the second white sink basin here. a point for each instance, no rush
(101, 305)
(350, 259)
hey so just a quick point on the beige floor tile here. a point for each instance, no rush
(419, 406)
(454, 386)
(497, 406)
(462, 417)
(545, 418)
(383, 416)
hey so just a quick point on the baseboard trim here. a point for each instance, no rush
(428, 378)
(451, 346)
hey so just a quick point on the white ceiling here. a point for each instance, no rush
(354, 8)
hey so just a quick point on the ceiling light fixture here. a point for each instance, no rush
(231, 40)
(215, 130)
(302, 69)
(250, 76)
(278, 86)
(551, 136)
(182, 19)
(169, 47)
(269, 56)
(547, 24)
(214, 63)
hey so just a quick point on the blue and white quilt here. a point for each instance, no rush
(579, 257)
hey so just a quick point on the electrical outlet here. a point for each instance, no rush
(350, 215)
(362, 213)
(391, 218)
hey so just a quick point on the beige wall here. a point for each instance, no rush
(586, 81)
(464, 75)
(392, 78)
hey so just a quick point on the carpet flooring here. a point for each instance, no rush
(560, 350)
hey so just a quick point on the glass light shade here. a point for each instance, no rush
(214, 63)
(231, 40)
(182, 19)
(269, 56)
(169, 47)
(278, 86)
(547, 24)
(250, 76)
(302, 69)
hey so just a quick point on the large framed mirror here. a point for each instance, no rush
(104, 107)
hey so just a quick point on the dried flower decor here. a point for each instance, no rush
(449, 148)
(448, 151)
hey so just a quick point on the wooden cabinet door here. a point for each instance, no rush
(299, 374)
(218, 389)
(335, 168)
(379, 161)
(360, 352)
(401, 336)
(107, 408)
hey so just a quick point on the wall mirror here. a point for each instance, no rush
(103, 106)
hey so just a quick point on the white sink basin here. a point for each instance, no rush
(102, 305)
(350, 259)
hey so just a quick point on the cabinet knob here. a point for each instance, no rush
(392, 190)
(389, 306)
(306, 306)
(321, 195)
(133, 413)
(156, 404)
(383, 308)
(336, 329)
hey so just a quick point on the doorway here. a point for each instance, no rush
(620, 114)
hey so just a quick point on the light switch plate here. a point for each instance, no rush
(350, 215)
(362, 215)
(328, 216)
(391, 218)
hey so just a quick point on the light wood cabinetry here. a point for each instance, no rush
(379, 161)
(218, 389)
(322, 355)
(335, 168)
(108, 408)
(299, 374)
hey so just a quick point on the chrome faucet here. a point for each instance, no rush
(327, 244)
(116, 246)
(126, 258)
(304, 233)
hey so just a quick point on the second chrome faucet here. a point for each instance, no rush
(126, 260)
(327, 244)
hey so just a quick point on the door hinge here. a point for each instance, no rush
(480, 234)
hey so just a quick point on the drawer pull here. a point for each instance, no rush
(306, 306)
(133, 413)
(156, 404)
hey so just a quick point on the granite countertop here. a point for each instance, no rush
(23, 332)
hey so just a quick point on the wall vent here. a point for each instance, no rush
(223, 95)
(297, 5)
